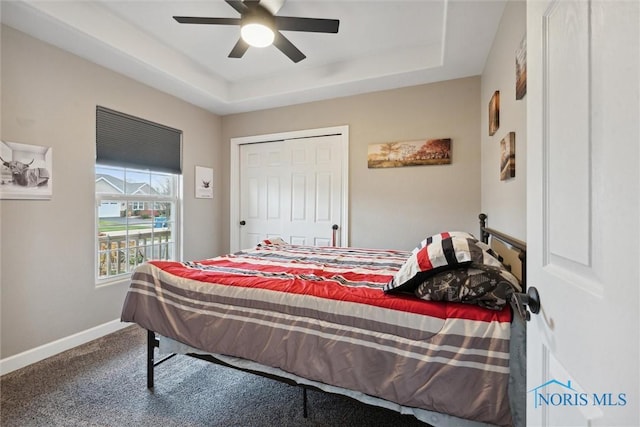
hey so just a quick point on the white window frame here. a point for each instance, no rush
(175, 198)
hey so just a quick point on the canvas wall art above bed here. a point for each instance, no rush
(426, 332)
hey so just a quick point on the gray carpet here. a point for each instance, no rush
(103, 383)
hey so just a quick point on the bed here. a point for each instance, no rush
(430, 332)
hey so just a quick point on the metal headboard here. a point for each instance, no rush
(519, 301)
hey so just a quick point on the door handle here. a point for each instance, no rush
(334, 227)
(521, 301)
(243, 222)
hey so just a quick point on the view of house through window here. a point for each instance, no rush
(136, 218)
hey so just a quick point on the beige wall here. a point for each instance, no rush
(505, 201)
(49, 98)
(395, 207)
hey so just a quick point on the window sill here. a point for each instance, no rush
(114, 281)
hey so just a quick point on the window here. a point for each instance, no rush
(138, 206)
(136, 218)
(137, 185)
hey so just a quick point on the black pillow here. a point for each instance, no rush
(483, 285)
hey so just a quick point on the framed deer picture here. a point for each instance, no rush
(204, 183)
(26, 171)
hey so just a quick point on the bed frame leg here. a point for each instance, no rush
(151, 340)
(304, 402)
(152, 343)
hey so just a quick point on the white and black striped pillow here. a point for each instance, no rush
(444, 235)
(438, 255)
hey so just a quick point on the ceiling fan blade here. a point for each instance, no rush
(238, 5)
(312, 25)
(239, 49)
(286, 47)
(207, 21)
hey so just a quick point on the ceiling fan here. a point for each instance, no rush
(259, 27)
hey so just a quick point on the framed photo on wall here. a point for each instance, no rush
(409, 153)
(494, 113)
(204, 183)
(508, 156)
(521, 69)
(27, 171)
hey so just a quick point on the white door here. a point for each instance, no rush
(291, 189)
(315, 184)
(261, 192)
(582, 212)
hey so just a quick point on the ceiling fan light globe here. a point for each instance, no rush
(257, 35)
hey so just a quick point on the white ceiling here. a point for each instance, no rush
(380, 45)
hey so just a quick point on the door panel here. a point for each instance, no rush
(323, 197)
(298, 197)
(260, 191)
(583, 217)
(316, 165)
(565, 28)
(273, 198)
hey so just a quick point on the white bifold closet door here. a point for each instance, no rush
(291, 189)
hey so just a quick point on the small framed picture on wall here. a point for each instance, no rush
(204, 183)
(508, 156)
(26, 171)
(494, 113)
(521, 69)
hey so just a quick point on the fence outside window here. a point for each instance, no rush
(120, 252)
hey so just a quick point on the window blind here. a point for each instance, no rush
(127, 141)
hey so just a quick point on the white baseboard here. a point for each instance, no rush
(37, 354)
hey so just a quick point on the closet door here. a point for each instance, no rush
(262, 191)
(291, 189)
(314, 180)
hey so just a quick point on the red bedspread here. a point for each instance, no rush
(320, 313)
